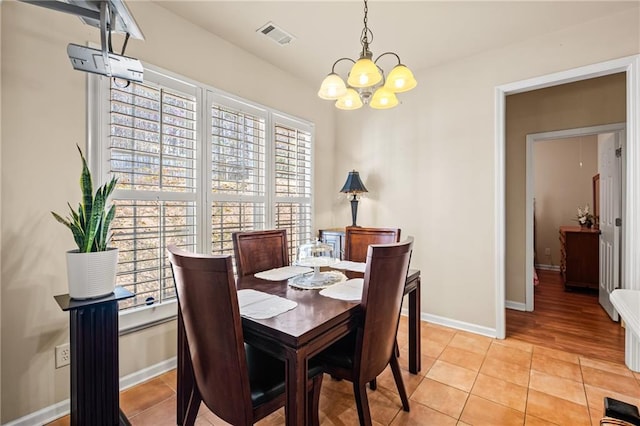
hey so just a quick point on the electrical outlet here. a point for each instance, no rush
(547, 251)
(63, 355)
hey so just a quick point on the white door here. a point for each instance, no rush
(609, 167)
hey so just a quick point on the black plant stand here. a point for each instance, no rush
(95, 396)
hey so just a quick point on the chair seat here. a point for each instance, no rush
(267, 375)
(340, 354)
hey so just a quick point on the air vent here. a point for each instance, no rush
(276, 34)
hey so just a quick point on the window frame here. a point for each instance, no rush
(98, 123)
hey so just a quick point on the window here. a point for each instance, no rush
(180, 184)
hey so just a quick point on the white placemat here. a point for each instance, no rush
(284, 273)
(347, 265)
(350, 290)
(258, 305)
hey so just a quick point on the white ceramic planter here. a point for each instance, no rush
(91, 275)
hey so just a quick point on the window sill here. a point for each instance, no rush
(136, 319)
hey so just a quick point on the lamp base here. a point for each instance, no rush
(354, 210)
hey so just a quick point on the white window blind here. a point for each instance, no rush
(152, 152)
(237, 174)
(193, 165)
(292, 183)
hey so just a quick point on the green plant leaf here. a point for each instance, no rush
(86, 186)
(91, 222)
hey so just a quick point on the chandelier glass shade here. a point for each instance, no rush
(366, 82)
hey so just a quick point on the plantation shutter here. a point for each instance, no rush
(293, 161)
(152, 152)
(194, 165)
(238, 171)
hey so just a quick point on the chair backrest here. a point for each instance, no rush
(257, 251)
(358, 239)
(208, 302)
(384, 281)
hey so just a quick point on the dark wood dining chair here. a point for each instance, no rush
(357, 240)
(237, 382)
(257, 251)
(363, 354)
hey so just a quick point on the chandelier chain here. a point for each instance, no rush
(366, 32)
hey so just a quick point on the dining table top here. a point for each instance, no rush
(313, 313)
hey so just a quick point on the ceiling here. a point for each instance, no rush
(423, 33)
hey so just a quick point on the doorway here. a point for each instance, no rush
(631, 250)
(606, 262)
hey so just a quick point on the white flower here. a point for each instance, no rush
(583, 215)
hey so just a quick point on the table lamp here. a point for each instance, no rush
(354, 186)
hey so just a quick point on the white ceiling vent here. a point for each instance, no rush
(276, 34)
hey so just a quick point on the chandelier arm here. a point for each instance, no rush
(333, 68)
(388, 53)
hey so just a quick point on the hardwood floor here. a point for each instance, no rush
(571, 321)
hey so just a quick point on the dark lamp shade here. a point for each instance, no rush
(353, 184)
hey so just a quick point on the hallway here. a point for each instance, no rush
(571, 321)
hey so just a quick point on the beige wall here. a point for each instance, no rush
(44, 115)
(581, 104)
(561, 185)
(429, 163)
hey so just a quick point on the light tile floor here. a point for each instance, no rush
(466, 379)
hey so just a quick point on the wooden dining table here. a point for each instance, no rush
(296, 336)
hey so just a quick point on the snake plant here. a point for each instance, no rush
(90, 224)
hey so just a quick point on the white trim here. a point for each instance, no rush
(516, 306)
(500, 213)
(631, 267)
(130, 320)
(542, 267)
(528, 235)
(530, 191)
(148, 373)
(458, 325)
(62, 408)
(42, 416)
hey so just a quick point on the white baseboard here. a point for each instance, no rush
(148, 373)
(44, 416)
(516, 306)
(548, 267)
(459, 325)
(55, 411)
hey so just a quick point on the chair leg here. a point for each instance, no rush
(373, 384)
(362, 403)
(397, 349)
(397, 376)
(313, 409)
(192, 408)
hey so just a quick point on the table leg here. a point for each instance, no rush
(295, 388)
(414, 329)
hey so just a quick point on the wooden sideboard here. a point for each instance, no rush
(335, 238)
(579, 257)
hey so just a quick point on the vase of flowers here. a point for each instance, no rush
(584, 217)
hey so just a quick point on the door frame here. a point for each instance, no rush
(629, 65)
(530, 193)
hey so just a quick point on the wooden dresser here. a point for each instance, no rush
(579, 257)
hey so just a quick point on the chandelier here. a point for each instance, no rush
(366, 82)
